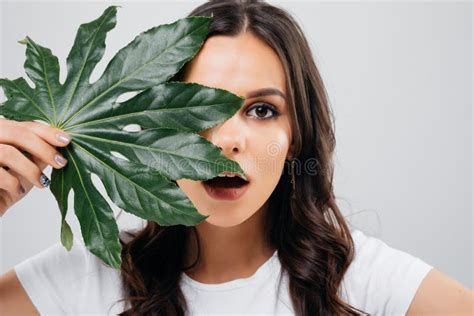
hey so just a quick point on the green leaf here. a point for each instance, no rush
(141, 179)
(66, 235)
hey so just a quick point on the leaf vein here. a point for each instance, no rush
(127, 115)
(79, 76)
(88, 199)
(91, 102)
(146, 148)
(136, 185)
(31, 100)
(48, 84)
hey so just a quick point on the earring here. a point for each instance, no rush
(293, 181)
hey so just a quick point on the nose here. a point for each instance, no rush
(229, 136)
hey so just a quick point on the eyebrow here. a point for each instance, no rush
(264, 92)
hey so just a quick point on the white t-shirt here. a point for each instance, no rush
(381, 281)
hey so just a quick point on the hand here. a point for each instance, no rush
(26, 149)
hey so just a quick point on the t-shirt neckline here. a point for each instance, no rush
(262, 272)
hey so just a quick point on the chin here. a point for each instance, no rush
(223, 222)
(226, 220)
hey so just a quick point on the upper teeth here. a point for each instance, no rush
(230, 175)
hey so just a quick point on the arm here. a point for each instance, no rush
(439, 294)
(13, 298)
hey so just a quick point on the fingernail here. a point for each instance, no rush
(22, 190)
(44, 180)
(64, 138)
(60, 160)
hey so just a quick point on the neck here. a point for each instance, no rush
(229, 253)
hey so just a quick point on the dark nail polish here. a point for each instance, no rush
(44, 180)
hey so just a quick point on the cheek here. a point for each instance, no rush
(191, 189)
(269, 152)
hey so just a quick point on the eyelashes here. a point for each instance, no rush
(267, 108)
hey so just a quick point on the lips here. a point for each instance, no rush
(226, 188)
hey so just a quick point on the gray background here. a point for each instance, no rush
(399, 77)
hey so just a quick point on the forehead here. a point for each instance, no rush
(239, 64)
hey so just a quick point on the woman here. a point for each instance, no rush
(280, 245)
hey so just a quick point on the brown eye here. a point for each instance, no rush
(264, 111)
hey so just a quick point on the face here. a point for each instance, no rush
(258, 136)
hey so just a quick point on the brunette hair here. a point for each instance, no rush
(314, 243)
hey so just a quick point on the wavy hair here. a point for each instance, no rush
(314, 243)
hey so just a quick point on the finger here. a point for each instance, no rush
(22, 135)
(5, 201)
(16, 161)
(52, 135)
(10, 184)
(27, 185)
(40, 163)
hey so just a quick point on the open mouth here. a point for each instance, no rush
(226, 182)
(226, 188)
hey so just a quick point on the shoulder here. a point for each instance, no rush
(432, 299)
(48, 277)
(382, 279)
(57, 260)
(58, 280)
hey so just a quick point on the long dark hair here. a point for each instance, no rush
(314, 243)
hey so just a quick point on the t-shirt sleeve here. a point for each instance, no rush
(53, 277)
(382, 280)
